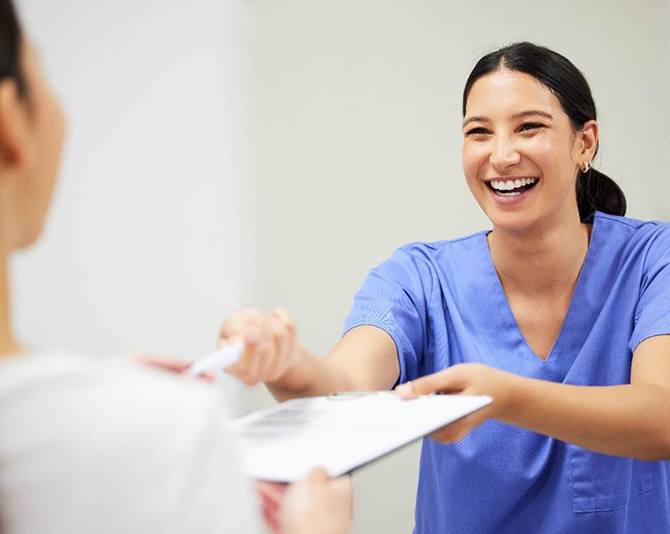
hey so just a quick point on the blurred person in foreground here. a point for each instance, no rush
(101, 446)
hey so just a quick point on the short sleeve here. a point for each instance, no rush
(652, 314)
(392, 299)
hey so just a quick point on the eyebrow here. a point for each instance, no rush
(529, 113)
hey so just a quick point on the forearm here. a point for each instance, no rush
(312, 375)
(628, 420)
(364, 359)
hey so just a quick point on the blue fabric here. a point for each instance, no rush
(443, 304)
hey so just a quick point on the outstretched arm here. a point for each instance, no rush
(364, 359)
(630, 420)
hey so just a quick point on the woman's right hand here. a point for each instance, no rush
(271, 345)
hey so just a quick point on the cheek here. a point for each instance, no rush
(474, 157)
(52, 132)
(552, 157)
(542, 149)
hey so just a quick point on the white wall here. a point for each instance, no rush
(352, 139)
(144, 246)
(351, 147)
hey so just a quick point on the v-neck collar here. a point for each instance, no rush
(584, 305)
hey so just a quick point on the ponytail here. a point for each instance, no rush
(598, 192)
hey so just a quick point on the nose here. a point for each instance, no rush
(504, 154)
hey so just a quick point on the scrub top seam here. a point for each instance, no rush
(395, 335)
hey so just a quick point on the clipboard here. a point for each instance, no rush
(340, 433)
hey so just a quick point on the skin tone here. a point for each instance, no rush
(31, 138)
(514, 129)
(333, 515)
(315, 500)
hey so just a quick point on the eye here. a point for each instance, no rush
(530, 126)
(477, 131)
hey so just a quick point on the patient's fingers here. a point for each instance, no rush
(318, 504)
(271, 495)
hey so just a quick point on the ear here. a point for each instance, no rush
(14, 144)
(589, 140)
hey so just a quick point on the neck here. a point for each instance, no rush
(7, 344)
(543, 261)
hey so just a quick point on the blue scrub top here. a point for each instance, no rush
(443, 304)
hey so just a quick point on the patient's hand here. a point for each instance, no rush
(317, 504)
(171, 364)
(271, 496)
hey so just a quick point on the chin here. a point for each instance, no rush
(520, 221)
(30, 236)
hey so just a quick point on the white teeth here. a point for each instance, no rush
(508, 185)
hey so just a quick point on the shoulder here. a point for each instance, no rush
(126, 441)
(438, 251)
(69, 375)
(61, 397)
(635, 227)
(416, 263)
(647, 241)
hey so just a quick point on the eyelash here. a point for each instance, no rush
(476, 131)
(525, 127)
(530, 126)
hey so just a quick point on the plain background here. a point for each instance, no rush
(144, 243)
(351, 121)
(349, 145)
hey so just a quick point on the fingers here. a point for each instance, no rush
(318, 476)
(318, 504)
(289, 347)
(273, 490)
(237, 322)
(341, 486)
(447, 381)
(271, 517)
(270, 344)
(270, 496)
(456, 431)
(165, 363)
(265, 353)
(466, 378)
(344, 487)
(274, 366)
(173, 365)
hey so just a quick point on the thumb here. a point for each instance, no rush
(318, 475)
(343, 485)
(446, 381)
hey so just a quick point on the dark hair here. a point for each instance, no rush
(10, 44)
(595, 191)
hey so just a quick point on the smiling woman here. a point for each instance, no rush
(553, 118)
(560, 312)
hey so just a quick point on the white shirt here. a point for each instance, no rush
(90, 446)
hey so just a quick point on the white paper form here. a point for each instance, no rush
(340, 433)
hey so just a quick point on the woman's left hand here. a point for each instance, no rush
(467, 379)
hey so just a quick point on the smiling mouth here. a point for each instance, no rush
(511, 187)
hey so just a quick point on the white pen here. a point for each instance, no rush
(217, 360)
